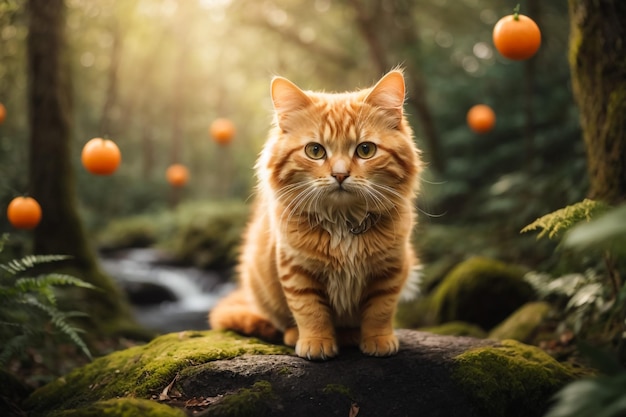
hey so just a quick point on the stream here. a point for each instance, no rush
(165, 298)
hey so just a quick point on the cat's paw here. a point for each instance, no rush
(380, 345)
(313, 348)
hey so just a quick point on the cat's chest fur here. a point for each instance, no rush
(343, 260)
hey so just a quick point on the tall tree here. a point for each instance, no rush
(51, 172)
(598, 65)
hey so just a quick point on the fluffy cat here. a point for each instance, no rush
(327, 252)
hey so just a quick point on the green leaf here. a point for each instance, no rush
(17, 266)
(606, 232)
(563, 219)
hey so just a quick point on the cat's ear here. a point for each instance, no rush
(388, 94)
(287, 97)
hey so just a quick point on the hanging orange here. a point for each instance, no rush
(516, 37)
(222, 130)
(101, 156)
(24, 212)
(177, 175)
(3, 113)
(481, 118)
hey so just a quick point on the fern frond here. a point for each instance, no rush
(59, 320)
(563, 219)
(16, 266)
(32, 301)
(35, 284)
(71, 332)
(13, 347)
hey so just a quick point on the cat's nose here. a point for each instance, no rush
(340, 177)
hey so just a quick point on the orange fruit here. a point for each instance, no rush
(177, 175)
(481, 118)
(516, 37)
(24, 212)
(222, 130)
(3, 113)
(101, 156)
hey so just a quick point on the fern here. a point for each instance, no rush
(17, 266)
(28, 304)
(563, 219)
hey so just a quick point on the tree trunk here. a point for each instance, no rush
(598, 64)
(51, 172)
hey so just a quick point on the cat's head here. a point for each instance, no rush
(330, 151)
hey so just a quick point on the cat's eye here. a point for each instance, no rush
(314, 150)
(366, 150)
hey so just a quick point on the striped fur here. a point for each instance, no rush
(303, 272)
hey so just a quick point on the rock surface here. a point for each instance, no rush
(222, 374)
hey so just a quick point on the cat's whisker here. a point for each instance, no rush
(296, 205)
(380, 200)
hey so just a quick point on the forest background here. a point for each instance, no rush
(153, 75)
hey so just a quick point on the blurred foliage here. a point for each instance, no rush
(29, 315)
(605, 233)
(153, 74)
(601, 397)
(593, 303)
(204, 234)
(563, 219)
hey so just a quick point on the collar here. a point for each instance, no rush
(366, 224)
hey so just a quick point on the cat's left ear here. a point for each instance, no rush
(287, 97)
(388, 94)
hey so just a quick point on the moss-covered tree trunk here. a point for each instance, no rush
(50, 166)
(598, 65)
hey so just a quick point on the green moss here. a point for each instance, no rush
(248, 402)
(511, 379)
(123, 407)
(338, 389)
(130, 232)
(208, 235)
(143, 370)
(481, 291)
(456, 328)
(523, 323)
(413, 314)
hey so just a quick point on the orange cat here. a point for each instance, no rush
(327, 252)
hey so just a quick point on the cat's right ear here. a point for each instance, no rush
(287, 97)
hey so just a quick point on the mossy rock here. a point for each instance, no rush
(208, 235)
(122, 407)
(142, 371)
(456, 328)
(523, 323)
(511, 379)
(481, 291)
(221, 374)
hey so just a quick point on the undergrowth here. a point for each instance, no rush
(29, 314)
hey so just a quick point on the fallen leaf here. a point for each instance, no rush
(164, 395)
(354, 410)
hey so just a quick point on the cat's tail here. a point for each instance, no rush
(237, 312)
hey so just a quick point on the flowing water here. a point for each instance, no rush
(165, 298)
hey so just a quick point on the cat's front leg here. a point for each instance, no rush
(378, 309)
(315, 333)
